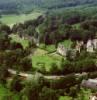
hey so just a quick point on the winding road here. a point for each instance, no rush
(50, 77)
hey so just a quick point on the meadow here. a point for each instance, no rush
(45, 61)
(12, 19)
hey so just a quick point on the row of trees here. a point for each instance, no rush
(52, 29)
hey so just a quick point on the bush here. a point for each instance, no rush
(67, 67)
(63, 83)
(26, 64)
(48, 94)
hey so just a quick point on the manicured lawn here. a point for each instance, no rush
(40, 61)
(13, 19)
(16, 38)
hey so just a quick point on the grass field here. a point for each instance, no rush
(13, 19)
(41, 59)
(49, 48)
(39, 52)
(44, 61)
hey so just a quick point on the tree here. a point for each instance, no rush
(4, 73)
(15, 84)
(73, 92)
(32, 89)
(14, 46)
(4, 41)
(26, 64)
(4, 28)
(53, 67)
(18, 28)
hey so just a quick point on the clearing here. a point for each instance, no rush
(12, 19)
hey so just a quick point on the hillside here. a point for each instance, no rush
(17, 6)
(48, 49)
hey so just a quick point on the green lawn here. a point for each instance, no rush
(13, 18)
(43, 58)
(49, 48)
(39, 52)
(40, 61)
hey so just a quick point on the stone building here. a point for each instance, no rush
(62, 50)
(90, 83)
(93, 96)
(90, 46)
(79, 45)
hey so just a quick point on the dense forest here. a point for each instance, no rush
(16, 6)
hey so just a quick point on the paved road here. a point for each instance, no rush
(26, 75)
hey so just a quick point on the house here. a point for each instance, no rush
(90, 46)
(93, 97)
(72, 53)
